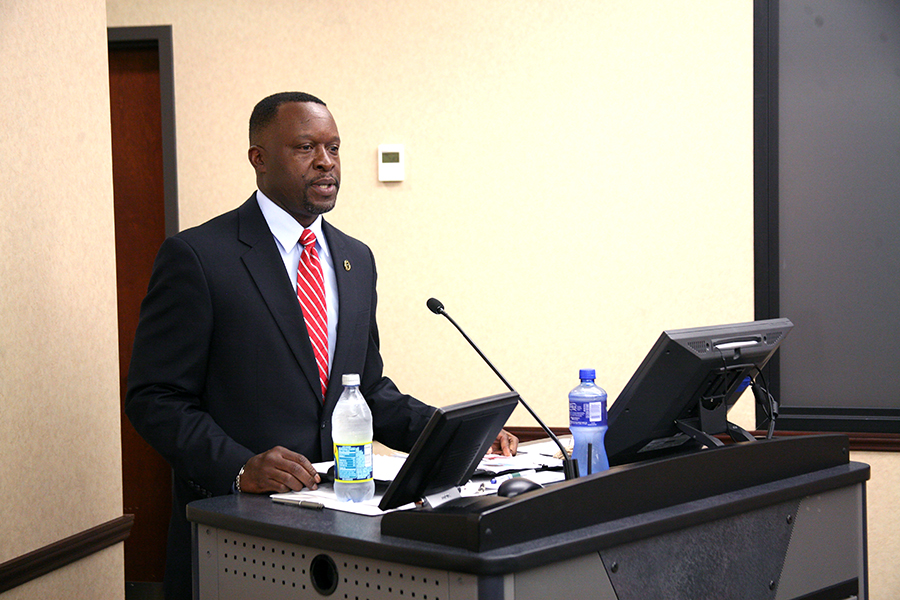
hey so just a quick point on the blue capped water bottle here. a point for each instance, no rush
(587, 422)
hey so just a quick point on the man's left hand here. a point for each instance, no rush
(505, 444)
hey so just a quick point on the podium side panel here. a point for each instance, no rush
(582, 577)
(827, 546)
(735, 558)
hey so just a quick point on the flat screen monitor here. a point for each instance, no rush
(449, 449)
(686, 384)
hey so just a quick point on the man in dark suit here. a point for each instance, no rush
(223, 380)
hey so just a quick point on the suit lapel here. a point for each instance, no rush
(350, 305)
(265, 266)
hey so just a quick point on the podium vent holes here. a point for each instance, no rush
(249, 566)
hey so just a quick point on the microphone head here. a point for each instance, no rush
(435, 306)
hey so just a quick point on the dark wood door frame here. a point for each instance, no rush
(161, 37)
(145, 198)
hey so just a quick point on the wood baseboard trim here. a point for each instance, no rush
(529, 434)
(877, 442)
(23, 569)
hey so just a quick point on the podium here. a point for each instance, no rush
(780, 519)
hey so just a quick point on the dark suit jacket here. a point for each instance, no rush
(223, 368)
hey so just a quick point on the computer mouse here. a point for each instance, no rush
(517, 485)
(327, 476)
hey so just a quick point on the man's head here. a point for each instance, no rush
(294, 148)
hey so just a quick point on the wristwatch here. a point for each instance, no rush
(237, 480)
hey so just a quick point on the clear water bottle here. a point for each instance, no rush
(351, 434)
(587, 422)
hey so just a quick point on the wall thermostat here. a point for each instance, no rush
(391, 162)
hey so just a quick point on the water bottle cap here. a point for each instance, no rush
(350, 379)
(587, 374)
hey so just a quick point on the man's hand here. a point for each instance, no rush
(278, 470)
(505, 444)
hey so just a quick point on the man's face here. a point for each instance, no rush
(297, 160)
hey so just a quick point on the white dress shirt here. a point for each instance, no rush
(286, 231)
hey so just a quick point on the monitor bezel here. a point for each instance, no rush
(444, 438)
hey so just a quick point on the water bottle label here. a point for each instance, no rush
(587, 414)
(352, 462)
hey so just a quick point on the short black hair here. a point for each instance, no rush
(267, 108)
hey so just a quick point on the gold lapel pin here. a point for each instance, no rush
(347, 265)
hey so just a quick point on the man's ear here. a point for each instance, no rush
(256, 156)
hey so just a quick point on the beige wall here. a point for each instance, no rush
(569, 158)
(60, 471)
(589, 159)
(579, 175)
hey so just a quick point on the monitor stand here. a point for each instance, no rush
(711, 422)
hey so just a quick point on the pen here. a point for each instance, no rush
(311, 505)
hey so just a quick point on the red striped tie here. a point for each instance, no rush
(311, 293)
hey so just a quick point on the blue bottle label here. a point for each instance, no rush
(587, 414)
(352, 463)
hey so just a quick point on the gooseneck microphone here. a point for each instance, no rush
(435, 306)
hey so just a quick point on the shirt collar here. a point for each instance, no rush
(285, 228)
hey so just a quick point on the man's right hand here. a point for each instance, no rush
(278, 470)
